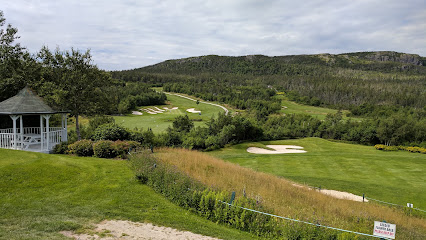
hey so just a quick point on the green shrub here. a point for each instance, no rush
(121, 148)
(104, 149)
(61, 148)
(110, 131)
(83, 148)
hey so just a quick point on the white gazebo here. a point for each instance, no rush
(37, 139)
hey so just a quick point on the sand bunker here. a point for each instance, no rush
(131, 230)
(136, 113)
(278, 149)
(335, 193)
(342, 195)
(192, 110)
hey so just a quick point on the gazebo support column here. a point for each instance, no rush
(21, 130)
(41, 133)
(47, 117)
(14, 118)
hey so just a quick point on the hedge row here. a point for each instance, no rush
(396, 148)
(192, 195)
(101, 149)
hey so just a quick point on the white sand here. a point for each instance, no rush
(278, 149)
(342, 195)
(174, 108)
(131, 230)
(335, 193)
(192, 110)
(161, 110)
(136, 113)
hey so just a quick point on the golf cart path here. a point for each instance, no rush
(214, 104)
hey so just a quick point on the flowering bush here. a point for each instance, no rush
(81, 148)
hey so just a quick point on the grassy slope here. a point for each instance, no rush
(43, 194)
(160, 122)
(285, 199)
(396, 177)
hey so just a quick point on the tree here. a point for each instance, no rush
(73, 82)
(17, 67)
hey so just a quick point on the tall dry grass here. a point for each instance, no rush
(288, 200)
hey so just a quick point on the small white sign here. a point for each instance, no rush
(410, 205)
(383, 229)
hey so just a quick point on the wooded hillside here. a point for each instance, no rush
(340, 81)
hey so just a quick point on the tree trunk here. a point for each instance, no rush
(77, 128)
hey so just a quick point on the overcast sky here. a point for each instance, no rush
(129, 34)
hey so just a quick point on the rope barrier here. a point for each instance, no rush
(295, 220)
(393, 204)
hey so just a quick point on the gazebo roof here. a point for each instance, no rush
(26, 102)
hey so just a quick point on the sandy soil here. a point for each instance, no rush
(136, 113)
(109, 230)
(192, 110)
(278, 149)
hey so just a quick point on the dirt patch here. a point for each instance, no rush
(278, 149)
(116, 229)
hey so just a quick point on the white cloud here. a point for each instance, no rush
(130, 34)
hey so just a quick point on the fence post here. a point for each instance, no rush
(232, 197)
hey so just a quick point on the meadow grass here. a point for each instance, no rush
(42, 194)
(396, 177)
(288, 200)
(160, 122)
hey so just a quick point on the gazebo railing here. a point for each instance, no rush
(30, 130)
(54, 137)
(7, 138)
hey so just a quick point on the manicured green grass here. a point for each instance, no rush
(42, 194)
(160, 122)
(397, 177)
(290, 107)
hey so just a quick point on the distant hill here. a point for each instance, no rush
(339, 80)
(260, 64)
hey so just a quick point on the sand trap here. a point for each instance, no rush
(174, 108)
(192, 110)
(161, 110)
(335, 193)
(136, 113)
(279, 149)
(131, 230)
(342, 195)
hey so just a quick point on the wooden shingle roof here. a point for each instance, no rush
(26, 102)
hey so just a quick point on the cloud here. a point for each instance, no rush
(130, 34)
